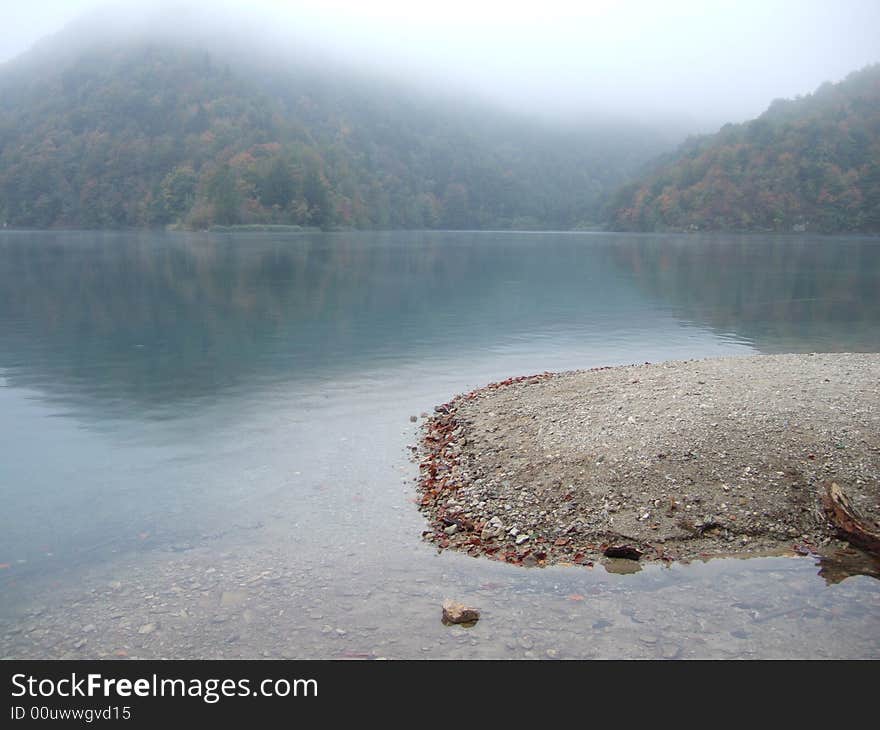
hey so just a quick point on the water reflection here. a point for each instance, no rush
(846, 563)
(125, 320)
(783, 294)
(154, 319)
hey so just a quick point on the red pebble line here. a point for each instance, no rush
(435, 473)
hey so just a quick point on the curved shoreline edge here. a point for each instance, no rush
(669, 462)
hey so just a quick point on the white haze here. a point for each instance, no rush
(706, 61)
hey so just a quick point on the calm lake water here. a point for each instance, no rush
(204, 439)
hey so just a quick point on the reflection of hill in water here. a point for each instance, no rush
(782, 294)
(146, 320)
(157, 318)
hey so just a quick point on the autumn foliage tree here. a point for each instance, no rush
(153, 134)
(811, 163)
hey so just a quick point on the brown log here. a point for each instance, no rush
(850, 525)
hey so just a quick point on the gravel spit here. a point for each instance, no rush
(676, 460)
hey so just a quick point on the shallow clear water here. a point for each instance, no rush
(207, 435)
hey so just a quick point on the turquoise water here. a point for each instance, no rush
(173, 404)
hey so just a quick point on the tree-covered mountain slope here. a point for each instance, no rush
(156, 133)
(812, 163)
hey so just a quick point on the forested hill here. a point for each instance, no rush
(156, 134)
(811, 164)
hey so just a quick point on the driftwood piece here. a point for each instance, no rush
(850, 525)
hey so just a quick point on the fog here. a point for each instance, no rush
(704, 62)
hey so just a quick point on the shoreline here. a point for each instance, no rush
(673, 461)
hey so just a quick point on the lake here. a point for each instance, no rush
(205, 439)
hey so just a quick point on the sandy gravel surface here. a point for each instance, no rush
(678, 459)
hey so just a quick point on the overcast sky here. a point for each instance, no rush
(710, 60)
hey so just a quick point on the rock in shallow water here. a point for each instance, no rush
(458, 613)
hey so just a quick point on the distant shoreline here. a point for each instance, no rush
(271, 228)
